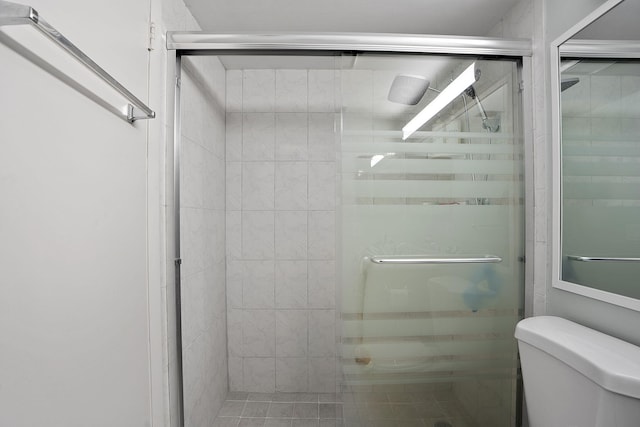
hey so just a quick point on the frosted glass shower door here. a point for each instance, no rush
(431, 243)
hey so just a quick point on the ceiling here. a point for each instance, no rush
(447, 17)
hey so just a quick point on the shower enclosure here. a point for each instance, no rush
(374, 267)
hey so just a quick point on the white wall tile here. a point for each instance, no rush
(322, 186)
(236, 382)
(258, 284)
(357, 90)
(291, 234)
(258, 333)
(192, 307)
(234, 235)
(234, 272)
(361, 122)
(322, 137)
(258, 90)
(322, 333)
(291, 186)
(258, 185)
(259, 374)
(291, 333)
(291, 374)
(214, 187)
(193, 378)
(233, 139)
(258, 136)
(215, 132)
(291, 284)
(322, 375)
(214, 234)
(234, 90)
(192, 240)
(321, 238)
(258, 235)
(234, 186)
(322, 293)
(291, 90)
(322, 85)
(234, 331)
(291, 136)
(193, 105)
(192, 174)
(215, 301)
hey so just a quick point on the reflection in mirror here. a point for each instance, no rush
(600, 146)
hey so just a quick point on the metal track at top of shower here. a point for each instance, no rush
(205, 43)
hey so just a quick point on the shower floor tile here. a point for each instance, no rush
(349, 409)
(403, 407)
(281, 410)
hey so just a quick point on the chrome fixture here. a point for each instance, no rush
(488, 124)
(483, 259)
(600, 258)
(18, 14)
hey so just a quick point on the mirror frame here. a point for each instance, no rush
(587, 50)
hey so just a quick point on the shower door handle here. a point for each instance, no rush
(482, 259)
(600, 258)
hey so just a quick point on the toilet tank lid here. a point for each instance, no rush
(610, 362)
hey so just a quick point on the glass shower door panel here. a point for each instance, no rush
(431, 245)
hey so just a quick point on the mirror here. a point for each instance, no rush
(597, 156)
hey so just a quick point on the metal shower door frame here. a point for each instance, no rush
(198, 43)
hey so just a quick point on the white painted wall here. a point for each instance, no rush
(73, 245)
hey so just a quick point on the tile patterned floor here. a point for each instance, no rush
(280, 410)
(353, 409)
(404, 409)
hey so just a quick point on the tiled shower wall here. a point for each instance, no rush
(203, 239)
(280, 207)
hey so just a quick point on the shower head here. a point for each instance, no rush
(470, 92)
(486, 122)
(567, 83)
(407, 90)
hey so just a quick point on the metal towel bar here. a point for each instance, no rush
(483, 259)
(600, 258)
(18, 14)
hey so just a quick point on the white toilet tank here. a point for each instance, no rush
(577, 377)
